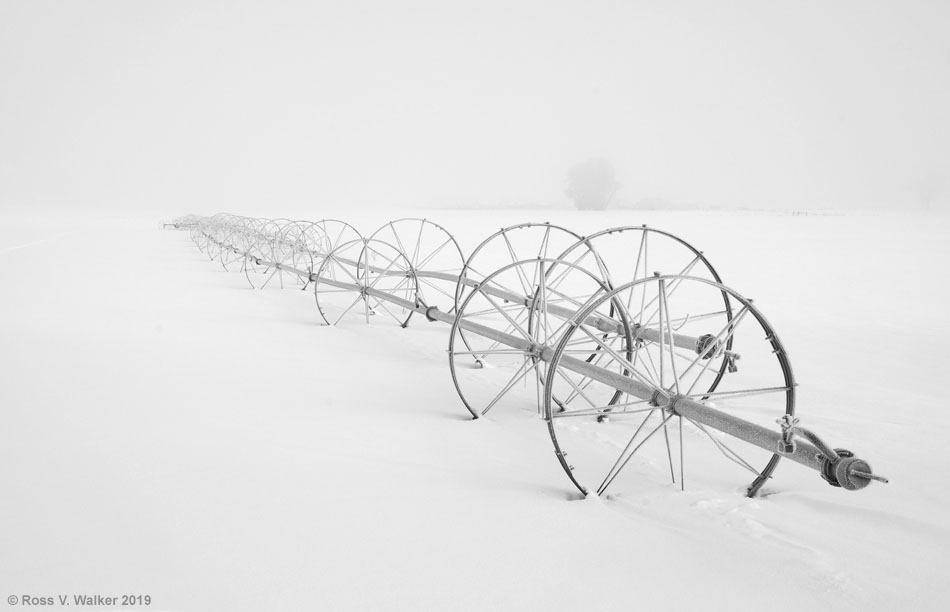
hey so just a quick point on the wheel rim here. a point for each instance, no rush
(486, 370)
(762, 390)
(347, 272)
(433, 253)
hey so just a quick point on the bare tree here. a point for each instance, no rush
(592, 184)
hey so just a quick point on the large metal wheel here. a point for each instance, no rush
(686, 337)
(224, 231)
(259, 252)
(510, 322)
(294, 260)
(626, 254)
(349, 279)
(434, 255)
(230, 255)
(510, 245)
(266, 253)
(507, 246)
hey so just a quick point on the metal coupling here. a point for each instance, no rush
(707, 346)
(839, 466)
(847, 471)
(534, 349)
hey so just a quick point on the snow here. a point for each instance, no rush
(169, 431)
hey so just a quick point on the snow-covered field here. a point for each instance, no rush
(167, 431)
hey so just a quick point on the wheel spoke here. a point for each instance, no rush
(415, 253)
(648, 362)
(728, 395)
(627, 365)
(435, 287)
(402, 248)
(490, 352)
(514, 259)
(720, 339)
(543, 293)
(509, 328)
(724, 449)
(381, 276)
(673, 286)
(521, 373)
(348, 308)
(646, 267)
(272, 273)
(480, 313)
(669, 453)
(607, 482)
(339, 265)
(379, 303)
(666, 316)
(434, 253)
(567, 268)
(520, 329)
(543, 251)
(576, 302)
(576, 388)
(679, 321)
(585, 381)
(609, 409)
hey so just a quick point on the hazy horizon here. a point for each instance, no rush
(203, 105)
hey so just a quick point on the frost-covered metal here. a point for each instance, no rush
(610, 352)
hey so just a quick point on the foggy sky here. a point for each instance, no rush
(204, 105)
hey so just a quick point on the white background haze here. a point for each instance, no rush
(204, 105)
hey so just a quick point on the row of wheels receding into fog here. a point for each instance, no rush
(625, 341)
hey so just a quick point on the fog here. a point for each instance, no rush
(199, 106)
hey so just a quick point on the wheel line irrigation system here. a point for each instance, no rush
(618, 354)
